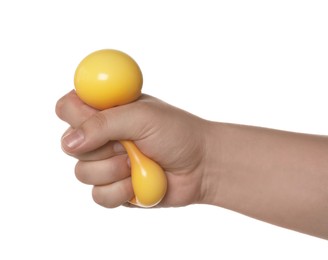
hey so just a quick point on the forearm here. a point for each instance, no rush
(276, 176)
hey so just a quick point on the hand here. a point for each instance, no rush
(276, 176)
(172, 137)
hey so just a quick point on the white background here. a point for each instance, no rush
(261, 63)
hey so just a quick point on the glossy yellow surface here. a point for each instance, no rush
(109, 78)
(148, 178)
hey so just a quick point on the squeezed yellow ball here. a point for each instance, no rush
(108, 78)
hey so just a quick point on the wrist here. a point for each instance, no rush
(214, 166)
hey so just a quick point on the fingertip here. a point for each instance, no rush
(103, 172)
(113, 195)
(61, 102)
(59, 107)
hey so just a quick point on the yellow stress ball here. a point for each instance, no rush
(108, 78)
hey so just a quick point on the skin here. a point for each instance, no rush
(275, 176)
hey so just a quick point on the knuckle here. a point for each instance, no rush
(144, 107)
(100, 120)
(144, 112)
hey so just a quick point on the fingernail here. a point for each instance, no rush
(118, 148)
(73, 138)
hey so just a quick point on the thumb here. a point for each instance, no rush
(127, 122)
